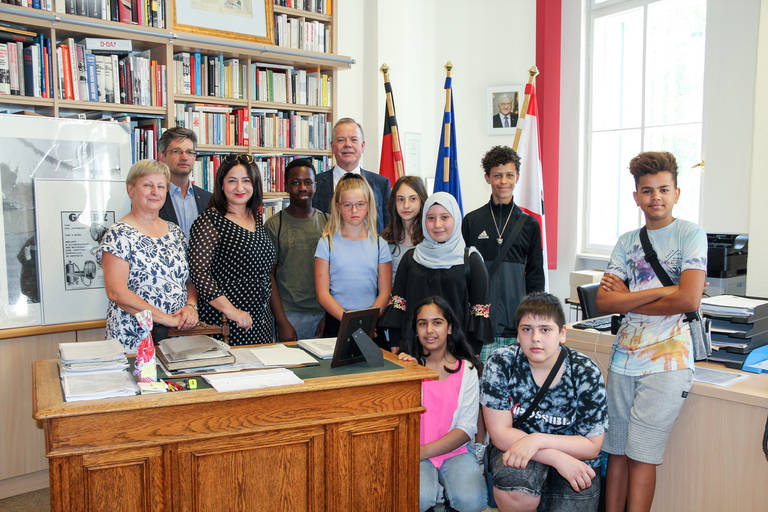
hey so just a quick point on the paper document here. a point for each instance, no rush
(185, 348)
(280, 355)
(86, 351)
(320, 347)
(102, 385)
(717, 377)
(254, 379)
(732, 305)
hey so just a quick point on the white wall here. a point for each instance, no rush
(494, 45)
(757, 271)
(730, 100)
(729, 96)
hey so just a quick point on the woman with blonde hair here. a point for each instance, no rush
(353, 265)
(145, 261)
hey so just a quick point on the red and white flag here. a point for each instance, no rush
(529, 192)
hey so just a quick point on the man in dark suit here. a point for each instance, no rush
(506, 118)
(347, 146)
(183, 201)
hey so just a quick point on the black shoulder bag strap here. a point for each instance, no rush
(544, 388)
(508, 241)
(653, 259)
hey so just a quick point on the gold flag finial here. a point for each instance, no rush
(533, 72)
(448, 68)
(384, 68)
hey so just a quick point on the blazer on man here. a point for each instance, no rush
(379, 184)
(202, 198)
(497, 120)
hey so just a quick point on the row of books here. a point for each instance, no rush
(147, 13)
(319, 6)
(271, 167)
(45, 5)
(213, 75)
(222, 124)
(301, 34)
(209, 75)
(215, 124)
(144, 139)
(279, 129)
(283, 84)
(25, 64)
(134, 79)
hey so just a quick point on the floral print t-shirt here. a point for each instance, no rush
(648, 344)
(158, 273)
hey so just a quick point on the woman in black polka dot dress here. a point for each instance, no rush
(231, 255)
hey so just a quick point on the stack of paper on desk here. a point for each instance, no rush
(237, 381)
(102, 385)
(320, 347)
(732, 305)
(193, 352)
(91, 357)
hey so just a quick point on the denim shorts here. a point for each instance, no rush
(543, 481)
(641, 412)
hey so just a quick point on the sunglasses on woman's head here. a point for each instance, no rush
(243, 158)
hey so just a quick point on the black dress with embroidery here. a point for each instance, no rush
(226, 259)
(466, 290)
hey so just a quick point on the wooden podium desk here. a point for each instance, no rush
(345, 442)
(714, 459)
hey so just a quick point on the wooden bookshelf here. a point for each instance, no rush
(162, 44)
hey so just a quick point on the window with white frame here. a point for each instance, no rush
(645, 69)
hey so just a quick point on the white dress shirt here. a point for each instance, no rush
(339, 173)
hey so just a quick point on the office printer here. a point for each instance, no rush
(726, 264)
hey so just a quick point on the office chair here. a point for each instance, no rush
(587, 298)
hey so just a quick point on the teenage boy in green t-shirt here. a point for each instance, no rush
(295, 232)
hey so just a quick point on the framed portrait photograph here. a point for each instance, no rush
(248, 20)
(504, 105)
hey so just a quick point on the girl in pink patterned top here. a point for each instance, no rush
(447, 470)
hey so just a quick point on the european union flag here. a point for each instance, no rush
(447, 170)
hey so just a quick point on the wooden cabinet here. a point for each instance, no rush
(340, 443)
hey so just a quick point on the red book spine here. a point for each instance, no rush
(67, 71)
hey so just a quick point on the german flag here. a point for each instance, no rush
(391, 162)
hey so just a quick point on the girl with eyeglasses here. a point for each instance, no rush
(353, 266)
(231, 254)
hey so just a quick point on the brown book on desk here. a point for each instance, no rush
(184, 352)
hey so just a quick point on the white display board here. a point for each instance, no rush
(71, 218)
(33, 148)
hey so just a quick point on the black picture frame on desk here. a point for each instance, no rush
(354, 343)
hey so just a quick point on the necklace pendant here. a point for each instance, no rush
(499, 240)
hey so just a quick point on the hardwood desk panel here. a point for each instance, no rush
(341, 443)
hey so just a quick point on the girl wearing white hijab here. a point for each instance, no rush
(442, 265)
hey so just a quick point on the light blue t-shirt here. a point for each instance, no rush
(656, 343)
(354, 269)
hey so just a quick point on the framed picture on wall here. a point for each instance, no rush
(249, 20)
(504, 104)
(79, 154)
